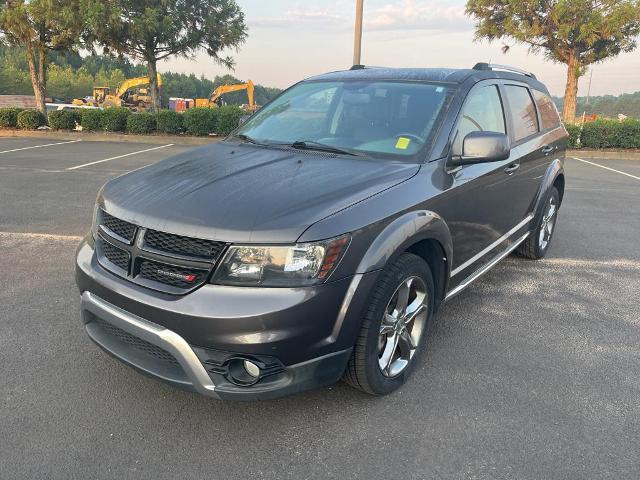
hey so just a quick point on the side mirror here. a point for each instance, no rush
(243, 119)
(483, 147)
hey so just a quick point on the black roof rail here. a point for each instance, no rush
(507, 68)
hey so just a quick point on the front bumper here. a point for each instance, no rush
(302, 336)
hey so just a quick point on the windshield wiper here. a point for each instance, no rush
(247, 138)
(322, 147)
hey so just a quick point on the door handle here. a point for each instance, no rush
(511, 168)
(547, 149)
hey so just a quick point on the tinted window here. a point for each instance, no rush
(482, 112)
(548, 113)
(373, 117)
(525, 120)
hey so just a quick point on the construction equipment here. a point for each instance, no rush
(215, 99)
(132, 93)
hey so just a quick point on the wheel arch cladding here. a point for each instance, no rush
(559, 184)
(553, 175)
(421, 232)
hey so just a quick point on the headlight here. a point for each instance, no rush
(281, 266)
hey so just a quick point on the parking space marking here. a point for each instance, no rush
(607, 168)
(40, 146)
(41, 236)
(119, 156)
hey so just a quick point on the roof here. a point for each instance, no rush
(444, 75)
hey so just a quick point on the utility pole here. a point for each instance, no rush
(357, 36)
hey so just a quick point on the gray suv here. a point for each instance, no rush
(318, 240)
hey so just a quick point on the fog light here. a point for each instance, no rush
(252, 369)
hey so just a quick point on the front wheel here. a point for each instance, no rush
(394, 328)
(537, 244)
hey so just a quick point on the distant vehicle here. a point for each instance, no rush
(66, 106)
(132, 94)
(318, 240)
(215, 99)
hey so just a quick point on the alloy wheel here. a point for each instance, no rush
(548, 222)
(402, 326)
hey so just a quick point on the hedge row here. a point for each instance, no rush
(606, 134)
(195, 121)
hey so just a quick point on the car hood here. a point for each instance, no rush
(243, 193)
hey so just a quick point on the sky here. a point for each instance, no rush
(293, 39)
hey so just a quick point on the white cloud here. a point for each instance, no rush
(418, 15)
(404, 15)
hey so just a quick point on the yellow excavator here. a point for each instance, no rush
(215, 99)
(133, 93)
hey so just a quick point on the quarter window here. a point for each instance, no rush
(523, 112)
(548, 113)
(482, 112)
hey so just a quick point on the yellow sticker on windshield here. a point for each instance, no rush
(402, 143)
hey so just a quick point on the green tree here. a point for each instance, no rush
(577, 33)
(40, 26)
(152, 30)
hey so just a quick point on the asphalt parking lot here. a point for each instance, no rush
(533, 372)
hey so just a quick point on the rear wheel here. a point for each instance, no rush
(537, 244)
(394, 328)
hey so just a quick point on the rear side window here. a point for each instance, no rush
(523, 112)
(482, 112)
(548, 113)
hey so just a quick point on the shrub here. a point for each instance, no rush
(611, 134)
(141, 123)
(62, 119)
(606, 133)
(574, 131)
(31, 119)
(115, 119)
(9, 117)
(91, 119)
(200, 120)
(168, 121)
(228, 119)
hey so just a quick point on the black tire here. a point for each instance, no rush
(534, 247)
(363, 370)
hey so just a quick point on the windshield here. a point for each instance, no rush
(360, 116)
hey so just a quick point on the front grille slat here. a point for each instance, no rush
(120, 258)
(180, 277)
(189, 261)
(180, 245)
(124, 230)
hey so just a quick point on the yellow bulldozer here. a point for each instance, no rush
(215, 99)
(133, 93)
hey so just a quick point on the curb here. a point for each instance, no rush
(605, 154)
(110, 137)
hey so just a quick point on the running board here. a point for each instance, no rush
(481, 271)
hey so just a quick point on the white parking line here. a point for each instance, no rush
(119, 156)
(606, 168)
(42, 236)
(40, 146)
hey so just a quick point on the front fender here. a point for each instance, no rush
(401, 233)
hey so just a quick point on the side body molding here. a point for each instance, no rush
(555, 168)
(403, 232)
